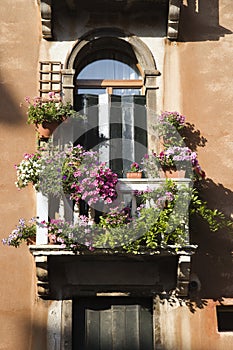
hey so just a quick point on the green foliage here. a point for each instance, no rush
(49, 110)
(214, 217)
(22, 233)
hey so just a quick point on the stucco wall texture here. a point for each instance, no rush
(196, 80)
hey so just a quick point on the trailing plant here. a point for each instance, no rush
(215, 219)
(48, 109)
(24, 232)
(168, 127)
(74, 171)
(28, 170)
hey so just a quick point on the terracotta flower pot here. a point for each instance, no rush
(136, 175)
(46, 129)
(52, 239)
(31, 240)
(174, 173)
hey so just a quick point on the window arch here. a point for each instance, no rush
(110, 76)
(101, 50)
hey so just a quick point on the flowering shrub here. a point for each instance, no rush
(47, 110)
(115, 217)
(72, 236)
(134, 167)
(85, 178)
(23, 232)
(172, 118)
(94, 183)
(178, 157)
(150, 165)
(28, 170)
(75, 171)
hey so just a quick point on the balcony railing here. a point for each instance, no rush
(63, 208)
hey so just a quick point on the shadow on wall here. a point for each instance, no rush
(212, 263)
(192, 137)
(199, 21)
(214, 259)
(10, 112)
(148, 18)
(211, 268)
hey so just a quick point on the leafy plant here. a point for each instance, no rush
(169, 126)
(150, 165)
(28, 170)
(134, 167)
(23, 233)
(48, 109)
(75, 171)
(177, 157)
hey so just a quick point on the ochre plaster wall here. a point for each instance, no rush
(20, 35)
(184, 328)
(197, 74)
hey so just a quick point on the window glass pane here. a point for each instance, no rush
(109, 69)
(94, 91)
(123, 92)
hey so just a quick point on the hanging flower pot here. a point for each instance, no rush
(46, 129)
(31, 240)
(47, 113)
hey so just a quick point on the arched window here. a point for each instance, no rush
(109, 92)
(109, 76)
(113, 77)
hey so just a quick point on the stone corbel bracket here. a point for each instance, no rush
(150, 79)
(183, 275)
(42, 276)
(173, 19)
(41, 255)
(46, 18)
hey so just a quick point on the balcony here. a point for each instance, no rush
(166, 260)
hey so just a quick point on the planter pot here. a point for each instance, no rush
(52, 239)
(46, 129)
(31, 241)
(136, 175)
(174, 173)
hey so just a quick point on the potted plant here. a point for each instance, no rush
(150, 165)
(176, 160)
(169, 126)
(75, 171)
(69, 236)
(155, 226)
(24, 232)
(47, 113)
(28, 170)
(134, 172)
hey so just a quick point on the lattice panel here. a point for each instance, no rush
(50, 77)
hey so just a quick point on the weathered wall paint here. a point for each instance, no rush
(196, 79)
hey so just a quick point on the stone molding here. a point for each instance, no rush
(42, 253)
(173, 19)
(46, 18)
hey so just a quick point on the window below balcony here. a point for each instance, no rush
(225, 318)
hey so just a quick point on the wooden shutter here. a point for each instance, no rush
(113, 324)
(118, 124)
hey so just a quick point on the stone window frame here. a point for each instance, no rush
(131, 45)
